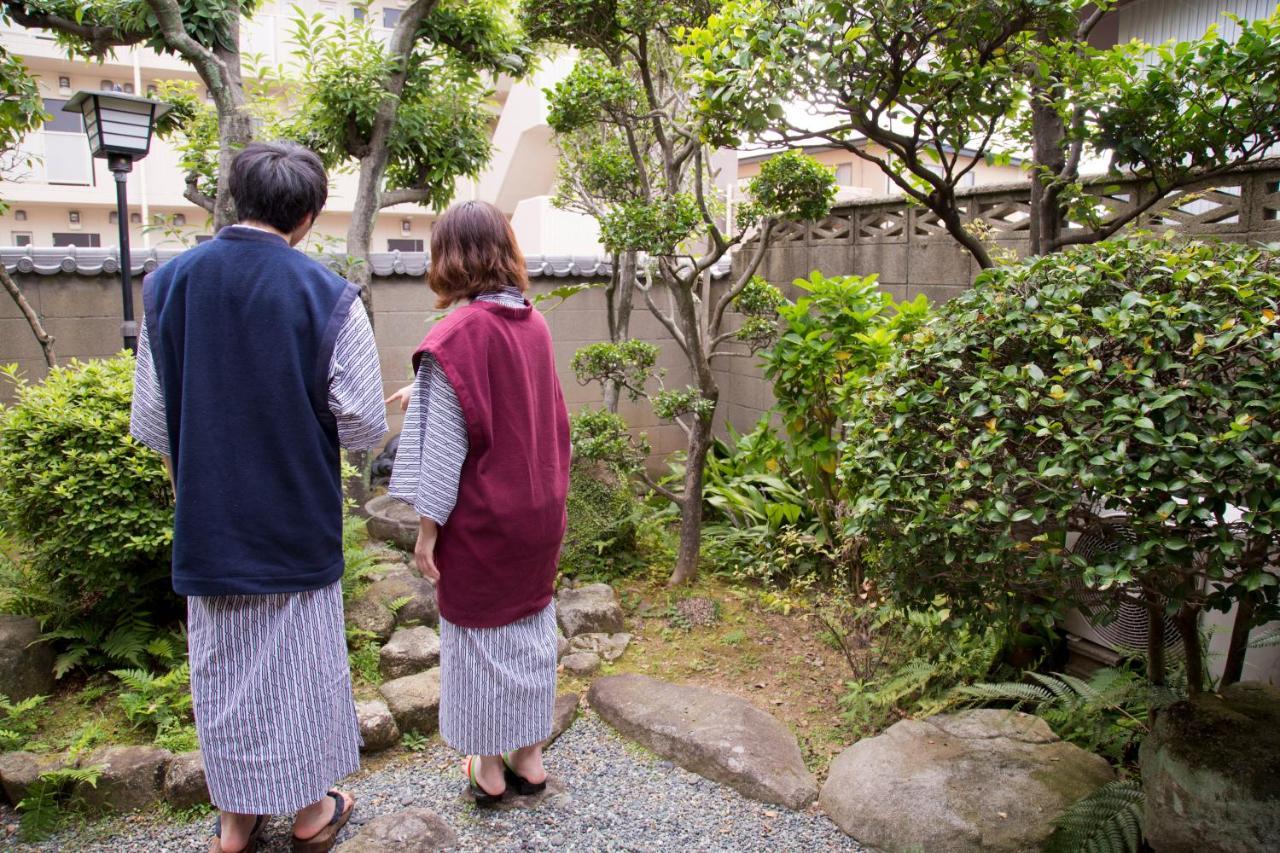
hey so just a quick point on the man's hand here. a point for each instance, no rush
(424, 553)
(402, 397)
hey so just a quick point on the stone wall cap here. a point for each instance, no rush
(44, 260)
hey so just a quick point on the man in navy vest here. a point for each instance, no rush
(255, 365)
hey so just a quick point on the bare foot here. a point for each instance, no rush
(527, 761)
(308, 822)
(235, 830)
(489, 775)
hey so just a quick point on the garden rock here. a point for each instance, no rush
(409, 651)
(381, 553)
(581, 664)
(391, 520)
(184, 781)
(415, 701)
(26, 665)
(415, 830)
(366, 614)
(20, 770)
(378, 728)
(566, 711)
(1209, 773)
(721, 737)
(982, 780)
(131, 777)
(562, 644)
(589, 609)
(608, 646)
(420, 609)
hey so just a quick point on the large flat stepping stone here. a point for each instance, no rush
(415, 830)
(590, 609)
(414, 701)
(982, 780)
(721, 737)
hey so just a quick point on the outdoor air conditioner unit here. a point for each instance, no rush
(1109, 622)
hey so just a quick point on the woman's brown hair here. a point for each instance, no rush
(474, 251)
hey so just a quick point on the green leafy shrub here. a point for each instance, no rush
(603, 510)
(1135, 375)
(51, 799)
(90, 508)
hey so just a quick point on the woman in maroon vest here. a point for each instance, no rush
(484, 460)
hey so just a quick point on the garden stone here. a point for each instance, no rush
(420, 608)
(1209, 773)
(378, 728)
(391, 520)
(184, 781)
(367, 614)
(20, 770)
(415, 701)
(721, 737)
(26, 665)
(589, 609)
(566, 711)
(608, 646)
(415, 830)
(409, 651)
(381, 553)
(982, 780)
(131, 777)
(562, 644)
(581, 664)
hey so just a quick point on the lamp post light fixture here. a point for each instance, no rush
(119, 128)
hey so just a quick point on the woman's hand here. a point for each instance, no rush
(424, 553)
(402, 397)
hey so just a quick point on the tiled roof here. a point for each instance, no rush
(73, 259)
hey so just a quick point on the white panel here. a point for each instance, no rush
(1158, 21)
(66, 159)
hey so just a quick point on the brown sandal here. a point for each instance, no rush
(323, 841)
(250, 846)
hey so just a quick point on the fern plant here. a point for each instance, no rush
(51, 798)
(160, 704)
(19, 721)
(133, 641)
(1107, 821)
(1108, 713)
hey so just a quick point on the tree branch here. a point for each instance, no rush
(33, 320)
(195, 196)
(100, 39)
(404, 196)
(662, 490)
(215, 73)
(762, 244)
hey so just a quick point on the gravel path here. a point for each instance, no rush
(619, 798)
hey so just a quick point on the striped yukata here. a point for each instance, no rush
(497, 685)
(270, 678)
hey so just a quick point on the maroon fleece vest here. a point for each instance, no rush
(498, 553)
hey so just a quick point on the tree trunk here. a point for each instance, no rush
(686, 568)
(33, 320)
(1048, 157)
(1155, 647)
(1239, 646)
(618, 300)
(363, 215)
(1188, 623)
(235, 124)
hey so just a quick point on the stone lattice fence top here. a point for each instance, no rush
(92, 262)
(1239, 203)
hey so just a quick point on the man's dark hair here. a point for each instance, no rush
(277, 183)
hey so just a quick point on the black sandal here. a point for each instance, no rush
(522, 785)
(250, 845)
(481, 797)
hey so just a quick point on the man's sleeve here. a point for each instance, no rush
(147, 422)
(355, 384)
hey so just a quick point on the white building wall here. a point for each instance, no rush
(1158, 21)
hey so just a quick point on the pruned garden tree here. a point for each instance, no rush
(939, 85)
(409, 113)
(630, 79)
(204, 33)
(21, 112)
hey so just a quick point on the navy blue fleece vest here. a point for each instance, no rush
(242, 331)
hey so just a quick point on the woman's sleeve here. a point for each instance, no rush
(433, 446)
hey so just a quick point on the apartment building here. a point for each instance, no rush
(66, 198)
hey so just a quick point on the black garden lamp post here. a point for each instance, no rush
(119, 128)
